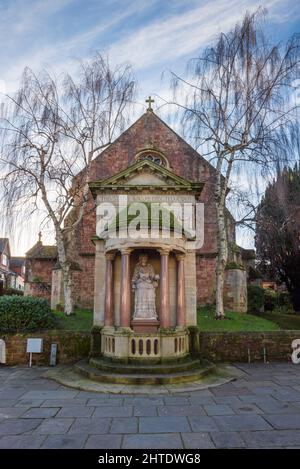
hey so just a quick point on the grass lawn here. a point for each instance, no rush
(284, 321)
(234, 322)
(82, 320)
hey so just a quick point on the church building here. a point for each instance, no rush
(149, 162)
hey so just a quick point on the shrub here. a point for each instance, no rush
(283, 310)
(13, 291)
(271, 300)
(256, 296)
(254, 274)
(25, 313)
(284, 299)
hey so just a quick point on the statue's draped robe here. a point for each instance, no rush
(144, 284)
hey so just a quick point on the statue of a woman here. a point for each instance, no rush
(144, 282)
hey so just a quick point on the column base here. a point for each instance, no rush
(145, 325)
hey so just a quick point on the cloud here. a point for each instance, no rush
(179, 35)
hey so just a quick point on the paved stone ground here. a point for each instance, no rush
(259, 410)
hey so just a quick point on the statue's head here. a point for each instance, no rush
(143, 259)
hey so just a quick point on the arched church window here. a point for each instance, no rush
(154, 156)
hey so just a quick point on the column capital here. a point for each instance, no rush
(180, 256)
(165, 251)
(110, 256)
(126, 251)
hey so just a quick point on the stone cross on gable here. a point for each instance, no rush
(150, 101)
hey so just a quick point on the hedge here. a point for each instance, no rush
(25, 313)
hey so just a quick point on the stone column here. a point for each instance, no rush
(109, 290)
(180, 320)
(99, 288)
(164, 288)
(125, 312)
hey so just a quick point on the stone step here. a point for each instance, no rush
(95, 374)
(137, 368)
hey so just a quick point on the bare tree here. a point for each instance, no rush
(237, 96)
(52, 129)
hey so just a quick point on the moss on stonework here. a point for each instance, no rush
(234, 266)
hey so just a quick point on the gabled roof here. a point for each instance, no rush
(39, 251)
(16, 262)
(167, 180)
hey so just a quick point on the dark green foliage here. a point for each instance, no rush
(254, 274)
(271, 300)
(25, 313)
(256, 298)
(277, 232)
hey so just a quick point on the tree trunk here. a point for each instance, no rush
(221, 260)
(68, 294)
(66, 272)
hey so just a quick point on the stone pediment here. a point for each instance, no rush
(145, 174)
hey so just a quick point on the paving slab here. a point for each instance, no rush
(55, 426)
(75, 411)
(218, 409)
(64, 402)
(145, 411)
(18, 426)
(44, 394)
(124, 425)
(178, 410)
(114, 411)
(40, 413)
(12, 412)
(197, 441)
(90, 426)
(64, 442)
(105, 401)
(227, 440)
(271, 439)
(241, 422)
(203, 424)
(164, 424)
(103, 442)
(21, 441)
(154, 441)
(285, 422)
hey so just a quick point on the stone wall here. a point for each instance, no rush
(71, 347)
(235, 290)
(233, 346)
(214, 346)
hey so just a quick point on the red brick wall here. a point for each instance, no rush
(39, 277)
(205, 267)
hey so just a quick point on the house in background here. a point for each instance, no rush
(4, 262)
(12, 269)
(17, 265)
(40, 261)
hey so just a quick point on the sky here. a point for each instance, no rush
(154, 36)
